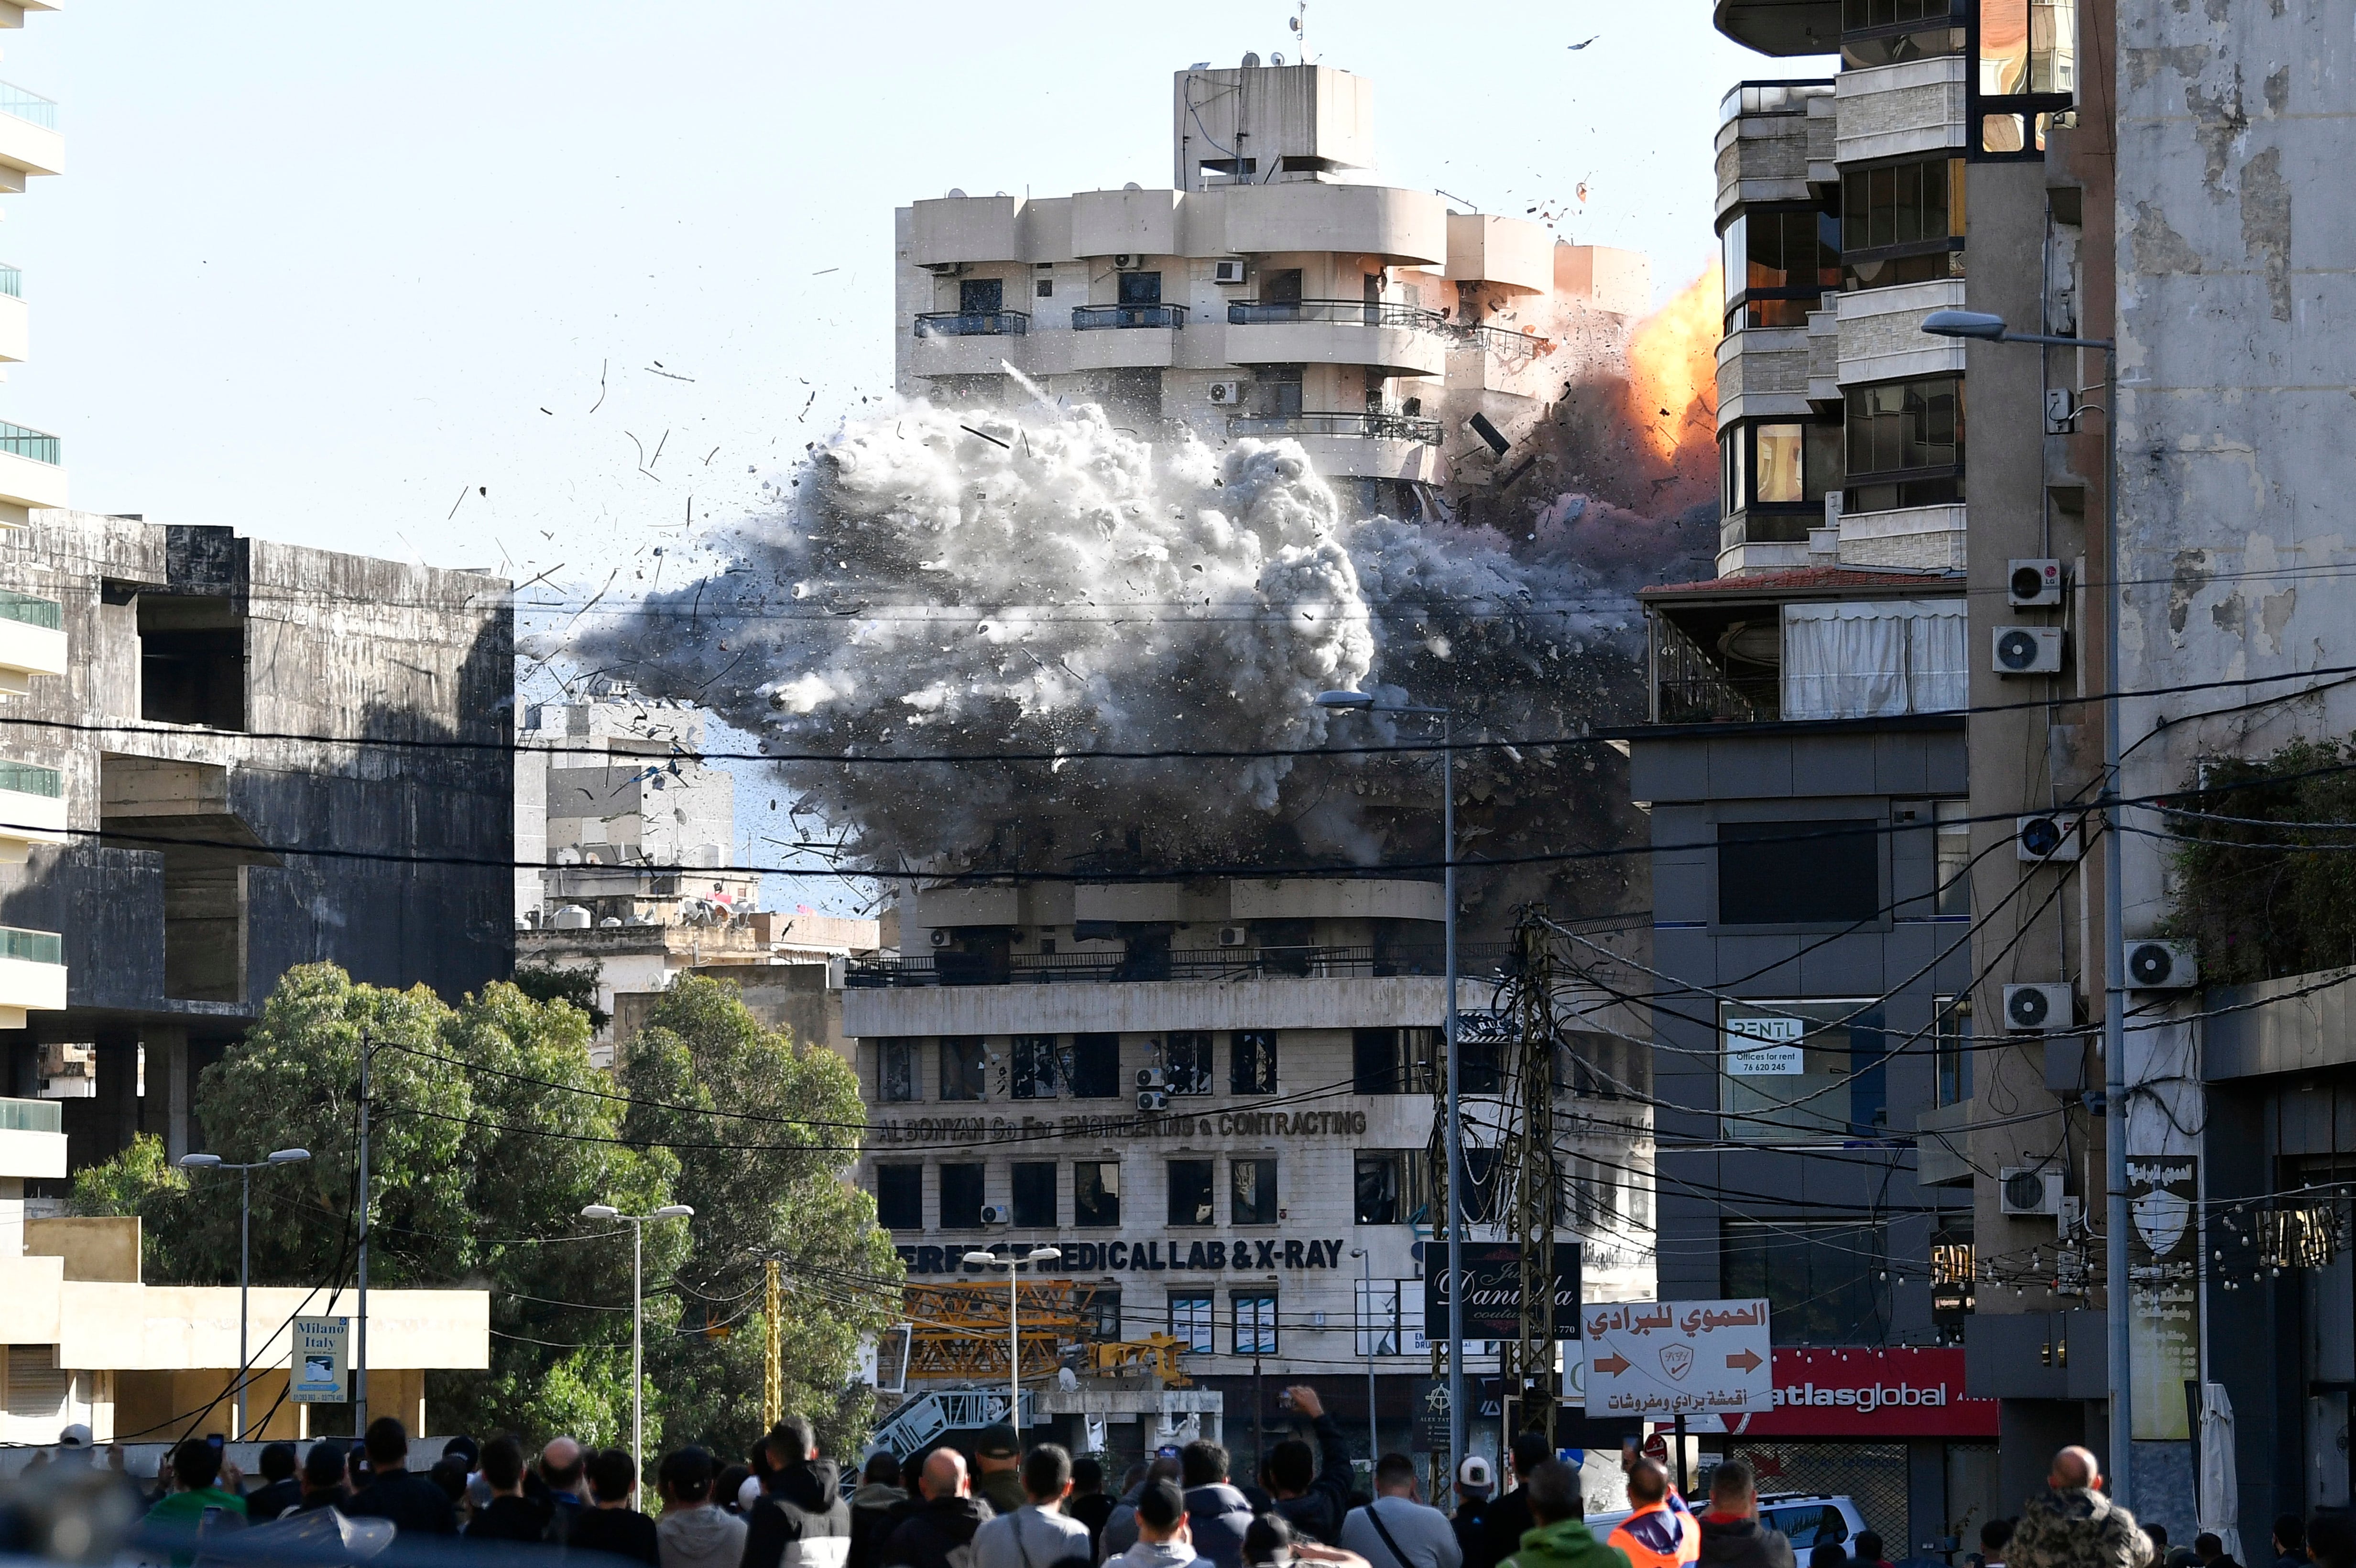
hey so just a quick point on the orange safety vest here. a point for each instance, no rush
(1655, 1536)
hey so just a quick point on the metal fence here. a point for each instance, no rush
(1091, 317)
(31, 778)
(30, 610)
(1368, 426)
(1346, 312)
(32, 106)
(973, 324)
(1473, 960)
(35, 444)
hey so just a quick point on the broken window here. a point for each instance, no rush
(1190, 1192)
(1096, 1192)
(1251, 1068)
(1251, 1198)
(1187, 1054)
(191, 660)
(1035, 1067)
(964, 1067)
(1096, 1067)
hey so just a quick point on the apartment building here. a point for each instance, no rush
(256, 756)
(1273, 289)
(1217, 1101)
(32, 628)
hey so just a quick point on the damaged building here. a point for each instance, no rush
(239, 756)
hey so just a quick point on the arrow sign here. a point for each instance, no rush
(1614, 1365)
(1746, 1361)
(1655, 1358)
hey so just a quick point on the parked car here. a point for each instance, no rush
(1809, 1518)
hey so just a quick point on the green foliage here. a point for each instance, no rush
(787, 1197)
(2258, 910)
(545, 980)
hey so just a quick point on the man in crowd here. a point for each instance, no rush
(1557, 1536)
(801, 1521)
(1039, 1534)
(563, 1464)
(1162, 1538)
(198, 1491)
(509, 1515)
(1217, 1513)
(2209, 1550)
(877, 1506)
(610, 1526)
(1394, 1531)
(1119, 1532)
(323, 1478)
(414, 1504)
(940, 1528)
(1475, 1484)
(280, 1491)
(2290, 1541)
(997, 1461)
(1655, 1535)
(693, 1532)
(2073, 1525)
(1311, 1499)
(1504, 1521)
(1731, 1535)
(1089, 1502)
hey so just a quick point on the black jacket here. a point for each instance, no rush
(801, 1520)
(268, 1502)
(1743, 1543)
(622, 1533)
(1502, 1524)
(1093, 1510)
(414, 1504)
(509, 1519)
(927, 1538)
(1317, 1512)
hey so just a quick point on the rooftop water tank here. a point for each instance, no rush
(570, 917)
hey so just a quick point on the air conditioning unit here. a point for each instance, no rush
(2030, 1010)
(2033, 584)
(1226, 394)
(2028, 650)
(2160, 966)
(945, 269)
(997, 1214)
(1152, 1078)
(943, 937)
(2027, 1189)
(2046, 836)
(1152, 1100)
(1235, 935)
(1228, 273)
(1127, 263)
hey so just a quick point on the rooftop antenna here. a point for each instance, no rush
(1301, 27)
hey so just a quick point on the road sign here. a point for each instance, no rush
(1493, 1292)
(323, 1356)
(1678, 1358)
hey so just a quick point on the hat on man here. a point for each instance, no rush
(999, 1442)
(1475, 1472)
(74, 1436)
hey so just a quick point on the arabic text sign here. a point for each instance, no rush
(322, 1354)
(1678, 1358)
(1776, 1050)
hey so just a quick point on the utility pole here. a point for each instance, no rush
(1530, 1160)
(360, 1355)
(773, 1384)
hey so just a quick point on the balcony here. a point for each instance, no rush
(14, 336)
(1822, 643)
(1496, 359)
(1398, 339)
(969, 343)
(1890, 111)
(32, 973)
(973, 324)
(32, 809)
(1773, 138)
(1881, 335)
(1355, 445)
(29, 142)
(1099, 317)
(32, 641)
(32, 1140)
(29, 475)
(1355, 427)
(1217, 965)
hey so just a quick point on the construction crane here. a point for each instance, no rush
(959, 1331)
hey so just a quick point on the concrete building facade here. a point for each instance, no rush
(1273, 289)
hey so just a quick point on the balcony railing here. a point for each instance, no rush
(12, 282)
(31, 946)
(1365, 427)
(31, 1116)
(46, 613)
(1788, 97)
(32, 106)
(1093, 318)
(973, 324)
(1350, 313)
(1503, 341)
(1692, 689)
(1212, 963)
(31, 778)
(32, 444)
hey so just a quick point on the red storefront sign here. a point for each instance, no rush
(1902, 1392)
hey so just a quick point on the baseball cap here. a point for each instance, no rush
(1475, 1472)
(75, 1436)
(999, 1442)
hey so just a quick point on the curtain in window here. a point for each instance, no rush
(1872, 659)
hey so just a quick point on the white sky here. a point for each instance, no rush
(315, 269)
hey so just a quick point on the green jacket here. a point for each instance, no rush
(176, 1519)
(1001, 1489)
(1566, 1544)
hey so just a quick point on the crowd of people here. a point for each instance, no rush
(786, 1507)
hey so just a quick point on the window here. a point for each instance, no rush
(1278, 387)
(1904, 444)
(1141, 288)
(1045, 288)
(964, 1067)
(1951, 855)
(1282, 287)
(192, 658)
(1190, 1192)
(1951, 1049)
(1096, 1192)
(1859, 658)
(1780, 263)
(1035, 1067)
(1778, 473)
(980, 296)
(1903, 223)
(1375, 1177)
(2026, 75)
(1255, 1324)
(1803, 1071)
(1393, 1061)
(1480, 1069)
(1890, 32)
(1820, 1278)
(1251, 1191)
(1798, 873)
(1188, 1055)
(897, 1073)
(961, 1198)
(1096, 1067)
(1190, 1320)
(1807, 1525)
(1102, 1315)
(1034, 1193)
(1251, 1062)
(900, 1196)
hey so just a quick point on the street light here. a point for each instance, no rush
(637, 1306)
(1359, 701)
(1366, 1288)
(1978, 325)
(245, 1248)
(981, 1259)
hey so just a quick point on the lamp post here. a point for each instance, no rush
(638, 1224)
(1010, 1262)
(1367, 1294)
(1359, 701)
(244, 1249)
(1970, 323)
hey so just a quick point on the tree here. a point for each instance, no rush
(764, 1129)
(545, 980)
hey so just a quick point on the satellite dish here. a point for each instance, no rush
(1276, 59)
(1251, 62)
(957, 194)
(1132, 186)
